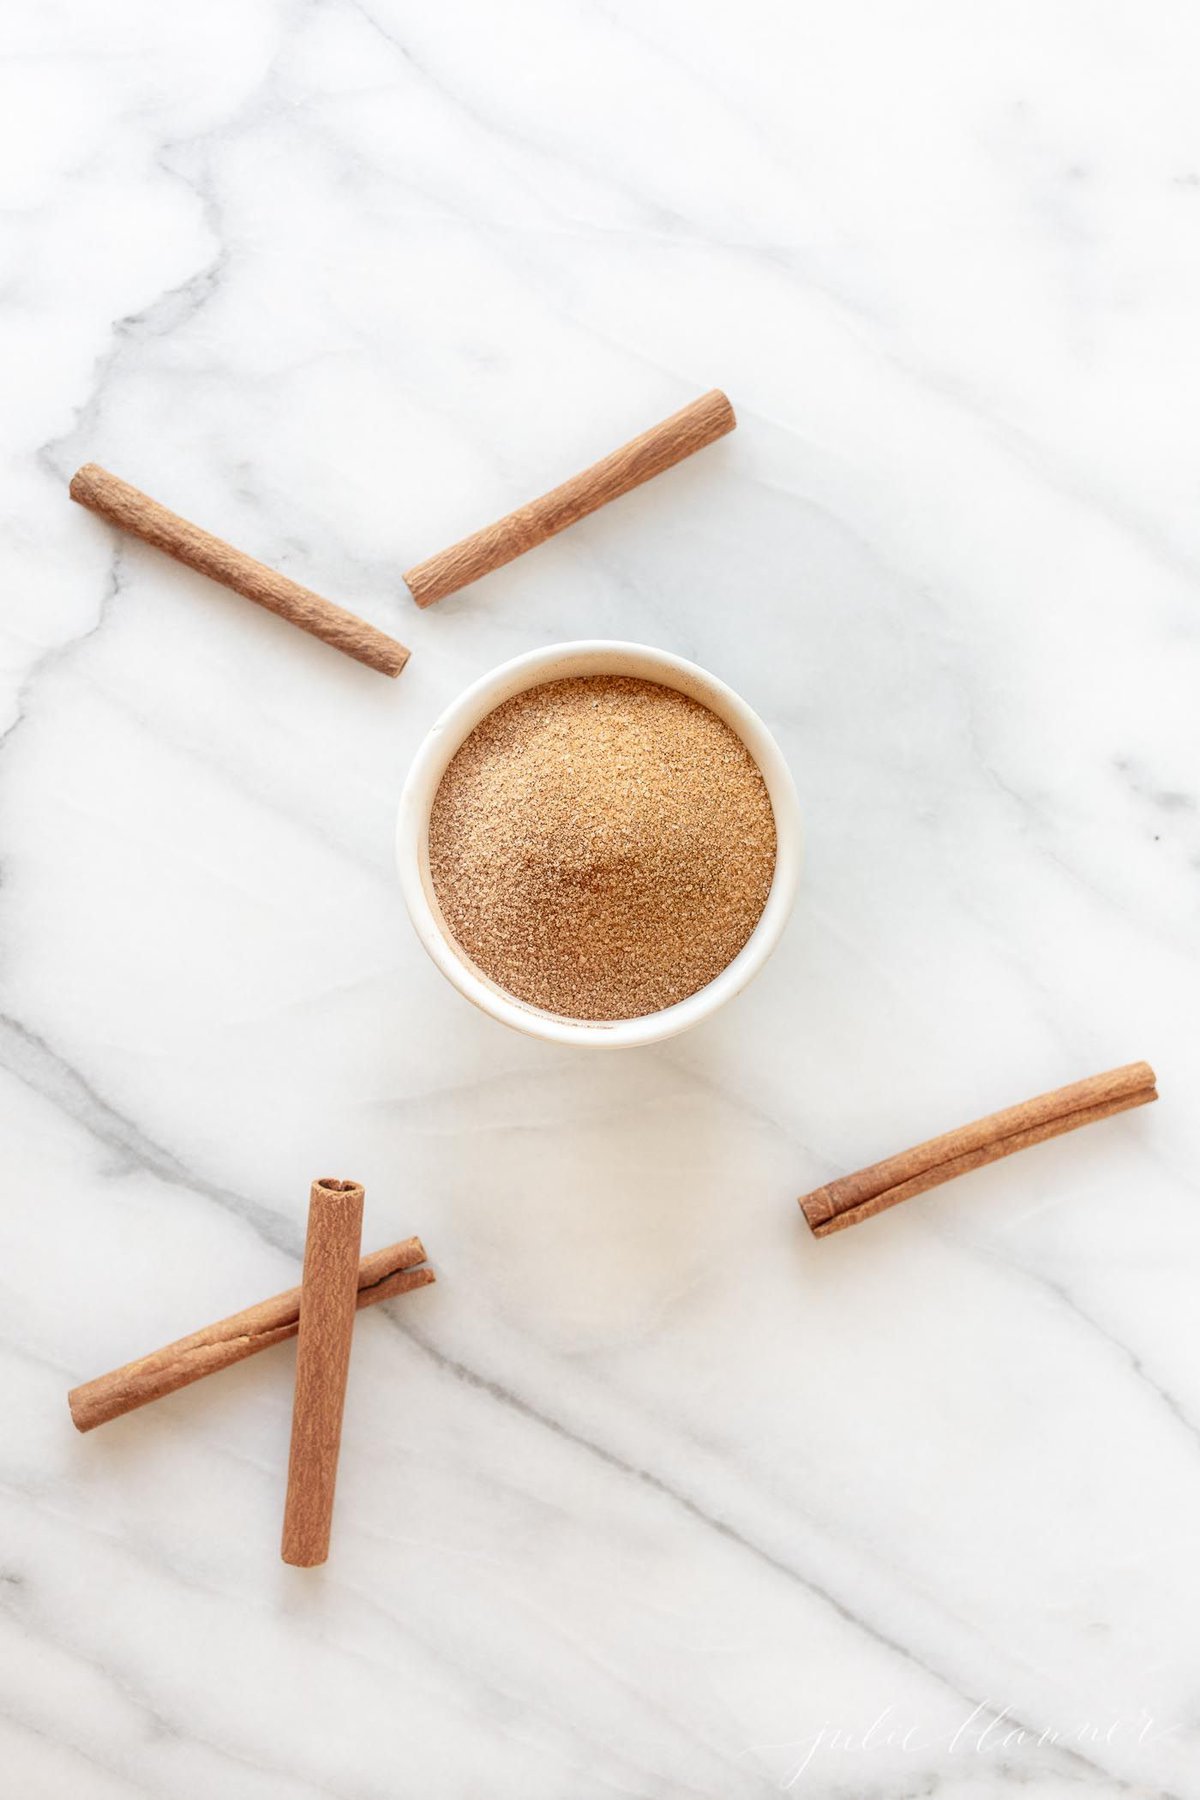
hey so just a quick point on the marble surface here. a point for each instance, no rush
(651, 1495)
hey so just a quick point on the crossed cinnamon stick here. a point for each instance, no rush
(337, 1283)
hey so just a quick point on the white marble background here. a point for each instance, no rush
(651, 1495)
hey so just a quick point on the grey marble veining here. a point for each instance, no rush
(650, 1495)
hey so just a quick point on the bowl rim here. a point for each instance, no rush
(532, 669)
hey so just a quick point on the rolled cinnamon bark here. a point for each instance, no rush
(870, 1191)
(327, 1308)
(701, 422)
(381, 1275)
(135, 512)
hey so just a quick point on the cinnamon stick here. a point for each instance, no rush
(327, 1307)
(860, 1196)
(381, 1275)
(665, 444)
(127, 507)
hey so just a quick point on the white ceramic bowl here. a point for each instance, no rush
(591, 657)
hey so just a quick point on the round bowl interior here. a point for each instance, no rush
(560, 661)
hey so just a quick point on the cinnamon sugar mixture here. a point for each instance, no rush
(602, 847)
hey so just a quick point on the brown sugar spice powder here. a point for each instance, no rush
(602, 847)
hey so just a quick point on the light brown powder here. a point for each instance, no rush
(602, 847)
